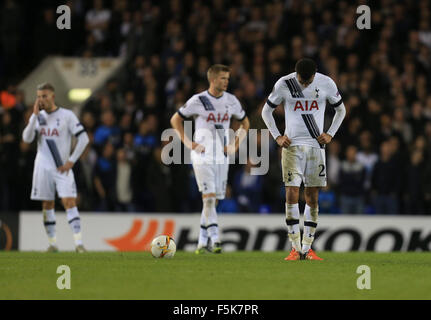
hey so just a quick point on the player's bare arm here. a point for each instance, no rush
(240, 135)
(177, 124)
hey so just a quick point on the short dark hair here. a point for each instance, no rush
(216, 69)
(46, 86)
(306, 68)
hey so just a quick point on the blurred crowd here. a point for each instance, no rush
(379, 161)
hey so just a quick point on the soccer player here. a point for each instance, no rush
(211, 111)
(54, 127)
(304, 95)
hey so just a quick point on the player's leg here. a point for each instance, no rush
(205, 180)
(66, 188)
(74, 221)
(213, 228)
(48, 209)
(209, 204)
(310, 220)
(43, 189)
(292, 217)
(315, 178)
(292, 168)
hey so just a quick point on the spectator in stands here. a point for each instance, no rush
(124, 192)
(84, 175)
(9, 152)
(104, 179)
(97, 21)
(107, 131)
(334, 164)
(228, 204)
(367, 157)
(386, 181)
(328, 201)
(146, 139)
(352, 177)
(415, 183)
(158, 179)
(248, 189)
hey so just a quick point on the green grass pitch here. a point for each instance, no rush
(234, 275)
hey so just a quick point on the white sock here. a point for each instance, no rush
(213, 226)
(49, 223)
(292, 221)
(203, 232)
(75, 224)
(310, 225)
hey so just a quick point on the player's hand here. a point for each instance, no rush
(230, 149)
(198, 147)
(66, 167)
(36, 107)
(324, 138)
(283, 141)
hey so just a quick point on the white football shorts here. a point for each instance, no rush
(212, 178)
(303, 164)
(47, 181)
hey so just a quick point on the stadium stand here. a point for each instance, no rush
(379, 161)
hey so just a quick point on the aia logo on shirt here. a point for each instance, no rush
(306, 105)
(219, 118)
(49, 133)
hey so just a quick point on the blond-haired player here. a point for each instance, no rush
(54, 128)
(211, 111)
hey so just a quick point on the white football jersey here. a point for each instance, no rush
(212, 117)
(54, 137)
(304, 108)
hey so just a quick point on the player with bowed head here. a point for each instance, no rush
(211, 111)
(304, 95)
(54, 128)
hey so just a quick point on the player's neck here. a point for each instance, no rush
(215, 93)
(54, 108)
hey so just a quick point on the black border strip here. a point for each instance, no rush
(272, 105)
(182, 116)
(54, 152)
(336, 104)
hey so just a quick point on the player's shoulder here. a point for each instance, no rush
(282, 82)
(230, 97)
(67, 113)
(195, 97)
(323, 79)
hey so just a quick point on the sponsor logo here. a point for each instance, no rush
(305, 106)
(133, 241)
(219, 118)
(269, 239)
(48, 132)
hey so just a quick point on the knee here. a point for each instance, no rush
(69, 203)
(313, 203)
(312, 197)
(48, 205)
(209, 202)
(292, 195)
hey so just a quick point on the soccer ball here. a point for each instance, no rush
(163, 247)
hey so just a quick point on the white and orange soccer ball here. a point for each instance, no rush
(163, 247)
